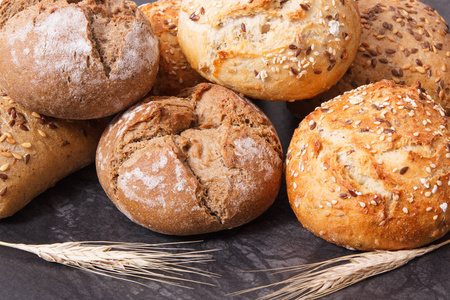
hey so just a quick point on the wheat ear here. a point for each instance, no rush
(320, 279)
(135, 262)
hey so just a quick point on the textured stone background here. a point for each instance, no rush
(77, 209)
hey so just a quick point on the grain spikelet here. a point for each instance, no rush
(135, 262)
(321, 279)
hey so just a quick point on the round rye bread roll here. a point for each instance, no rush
(370, 169)
(76, 59)
(175, 72)
(203, 161)
(404, 41)
(275, 50)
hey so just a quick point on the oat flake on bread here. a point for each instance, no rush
(371, 169)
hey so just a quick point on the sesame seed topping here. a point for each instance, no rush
(405, 210)
(435, 188)
(429, 208)
(42, 133)
(427, 194)
(295, 185)
(6, 154)
(18, 156)
(4, 167)
(362, 204)
(428, 169)
(435, 217)
(444, 207)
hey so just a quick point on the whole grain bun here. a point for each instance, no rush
(76, 59)
(175, 72)
(271, 49)
(38, 151)
(201, 162)
(405, 41)
(370, 169)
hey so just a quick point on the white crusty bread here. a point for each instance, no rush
(271, 49)
(370, 169)
(405, 41)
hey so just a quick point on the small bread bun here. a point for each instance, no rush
(37, 151)
(201, 162)
(271, 49)
(76, 59)
(405, 42)
(370, 169)
(175, 72)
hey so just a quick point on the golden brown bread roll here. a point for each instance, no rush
(175, 73)
(38, 151)
(370, 169)
(271, 49)
(405, 41)
(76, 59)
(201, 162)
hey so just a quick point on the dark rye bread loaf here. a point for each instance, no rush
(76, 59)
(175, 72)
(404, 41)
(201, 162)
(371, 169)
(37, 151)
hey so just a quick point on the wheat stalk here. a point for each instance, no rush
(321, 279)
(135, 262)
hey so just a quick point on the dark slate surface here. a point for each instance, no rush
(77, 209)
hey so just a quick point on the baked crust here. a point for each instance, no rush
(370, 169)
(175, 72)
(201, 162)
(405, 42)
(271, 49)
(37, 151)
(76, 60)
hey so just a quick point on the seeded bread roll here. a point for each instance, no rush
(175, 72)
(405, 41)
(76, 59)
(271, 49)
(201, 162)
(370, 169)
(38, 151)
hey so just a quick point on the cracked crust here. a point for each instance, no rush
(371, 169)
(271, 49)
(203, 161)
(90, 58)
